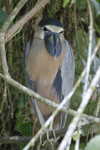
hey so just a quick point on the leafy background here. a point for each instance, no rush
(72, 15)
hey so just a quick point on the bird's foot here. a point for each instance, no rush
(54, 134)
(51, 140)
(41, 141)
(48, 139)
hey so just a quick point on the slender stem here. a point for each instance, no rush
(3, 55)
(89, 48)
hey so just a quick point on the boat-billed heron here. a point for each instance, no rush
(49, 68)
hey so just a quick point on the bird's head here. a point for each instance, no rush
(50, 30)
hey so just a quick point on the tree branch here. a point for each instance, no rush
(2, 34)
(11, 17)
(3, 55)
(89, 48)
(26, 139)
(40, 5)
(46, 101)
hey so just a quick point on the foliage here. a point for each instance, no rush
(94, 143)
(3, 17)
(79, 40)
(23, 125)
(96, 8)
(55, 8)
(81, 4)
(65, 3)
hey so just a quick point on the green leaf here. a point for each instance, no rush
(94, 143)
(23, 125)
(76, 136)
(3, 17)
(13, 91)
(96, 8)
(65, 3)
(55, 8)
(81, 4)
(81, 146)
(91, 105)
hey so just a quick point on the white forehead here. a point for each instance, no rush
(39, 33)
(54, 28)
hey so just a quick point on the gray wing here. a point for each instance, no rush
(67, 74)
(31, 84)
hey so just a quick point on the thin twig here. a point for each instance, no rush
(76, 36)
(3, 55)
(78, 138)
(11, 104)
(89, 48)
(77, 144)
(9, 47)
(26, 139)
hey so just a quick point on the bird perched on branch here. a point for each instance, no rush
(49, 68)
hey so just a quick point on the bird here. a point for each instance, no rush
(49, 69)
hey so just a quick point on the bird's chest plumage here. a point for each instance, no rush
(40, 65)
(42, 68)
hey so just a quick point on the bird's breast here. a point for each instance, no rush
(40, 65)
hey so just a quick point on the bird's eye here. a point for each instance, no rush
(45, 29)
(61, 32)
